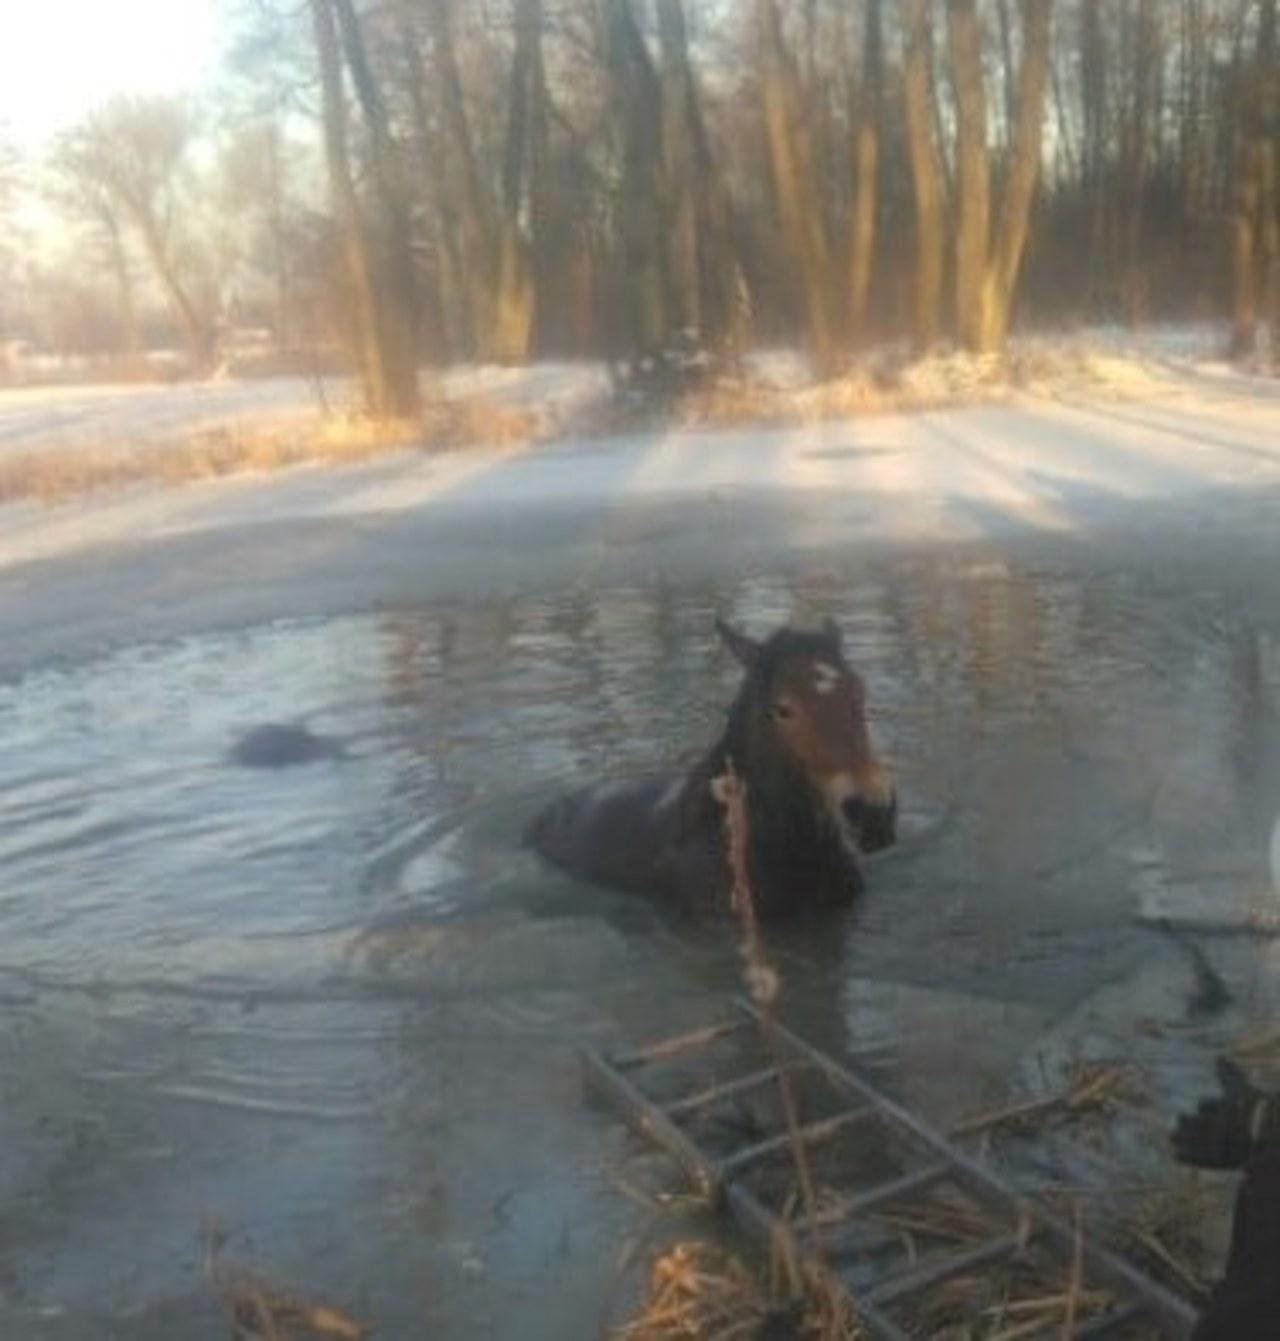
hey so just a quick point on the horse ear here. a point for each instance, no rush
(744, 648)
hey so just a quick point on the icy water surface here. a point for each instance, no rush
(329, 1008)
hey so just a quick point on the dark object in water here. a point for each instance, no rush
(816, 794)
(1211, 994)
(281, 745)
(1240, 1128)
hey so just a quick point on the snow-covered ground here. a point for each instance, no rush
(81, 418)
(1079, 444)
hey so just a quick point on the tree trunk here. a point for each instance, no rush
(1268, 240)
(1024, 169)
(384, 397)
(391, 262)
(1190, 46)
(678, 175)
(515, 292)
(131, 334)
(452, 332)
(1094, 150)
(648, 284)
(987, 268)
(1254, 227)
(868, 112)
(1246, 194)
(196, 326)
(796, 193)
(926, 176)
(492, 258)
(483, 258)
(1145, 62)
(1009, 96)
(704, 260)
(973, 176)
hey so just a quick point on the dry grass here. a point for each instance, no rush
(1165, 1227)
(258, 1309)
(885, 384)
(996, 1307)
(55, 473)
(1091, 1087)
(1258, 1048)
(700, 1293)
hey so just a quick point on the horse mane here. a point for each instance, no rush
(773, 806)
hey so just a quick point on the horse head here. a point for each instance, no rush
(801, 715)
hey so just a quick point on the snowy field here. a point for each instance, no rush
(1086, 435)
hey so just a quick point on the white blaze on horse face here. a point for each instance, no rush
(826, 677)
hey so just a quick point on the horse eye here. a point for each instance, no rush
(783, 711)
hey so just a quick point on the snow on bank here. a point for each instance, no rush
(1055, 437)
(72, 419)
(1051, 463)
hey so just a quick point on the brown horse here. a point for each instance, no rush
(816, 795)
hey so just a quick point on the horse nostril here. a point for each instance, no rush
(854, 810)
(874, 825)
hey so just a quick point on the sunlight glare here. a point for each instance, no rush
(61, 58)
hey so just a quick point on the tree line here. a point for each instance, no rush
(665, 182)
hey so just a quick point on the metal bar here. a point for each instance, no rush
(1174, 1313)
(671, 1047)
(756, 1218)
(879, 1324)
(811, 1132)
(650, 1121)
(770, 1233)
(838, 1238)
(941, 1268)
(739, 1085)
(1119, 1316)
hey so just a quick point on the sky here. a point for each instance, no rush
(60, 58)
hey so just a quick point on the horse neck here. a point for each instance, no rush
(780, 811)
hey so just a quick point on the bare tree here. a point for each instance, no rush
(387, 219)
(649, 287)
(704, 269)
(1254, 220)
(987, 262)
(679, 272)
(255, 203)
(373, 264)
(124, 165)
(796, 186)
(10, 179)
(1096, 150)
(484, 205)
(926, 174)
(823, 158)
(868, 112)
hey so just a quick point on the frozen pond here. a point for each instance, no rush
(331, 1008)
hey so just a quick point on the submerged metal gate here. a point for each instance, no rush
(915, 1229)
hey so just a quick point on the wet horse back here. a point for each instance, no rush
(618, 833)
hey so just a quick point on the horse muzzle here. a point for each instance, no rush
(873, 825)
(865, 805)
